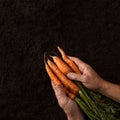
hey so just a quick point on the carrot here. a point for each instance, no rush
(50, 73)
(69, 61)
(61, 65)
(66, 82)
(52, 76)
(69, 94)
(56, 81)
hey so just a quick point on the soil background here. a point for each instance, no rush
(89, 30)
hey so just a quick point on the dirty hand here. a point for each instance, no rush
(68, 105)
(89, 77)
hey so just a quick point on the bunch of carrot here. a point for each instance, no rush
(57, 70)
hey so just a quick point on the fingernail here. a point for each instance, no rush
(69, 75)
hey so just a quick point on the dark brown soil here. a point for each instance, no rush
(89, 30)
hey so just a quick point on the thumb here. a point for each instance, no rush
(59, 92)
(60, 95)
(74, 76)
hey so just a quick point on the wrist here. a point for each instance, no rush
(103, 86)
(73, 118)
(77, 115)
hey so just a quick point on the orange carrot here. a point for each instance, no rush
(69, 61)
(56, 81)
(66, 82)
(52, 76)
(61, 65)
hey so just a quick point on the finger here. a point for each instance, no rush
(78, 62)
(60, 95)
(59, 92)
(74, 76)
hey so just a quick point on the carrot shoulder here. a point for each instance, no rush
(69, 61)
(66, 82)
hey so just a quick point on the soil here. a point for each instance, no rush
(89, 30)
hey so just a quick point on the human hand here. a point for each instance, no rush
(68, 105)
(89, 77)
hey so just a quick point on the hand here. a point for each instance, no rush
(68, 105)
(92, 80)
(89, 77)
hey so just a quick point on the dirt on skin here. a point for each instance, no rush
(89, 30)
